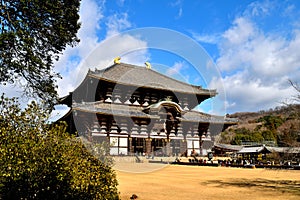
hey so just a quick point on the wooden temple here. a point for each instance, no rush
(139, 110)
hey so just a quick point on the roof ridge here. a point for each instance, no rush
(154, 71)
(157, 79)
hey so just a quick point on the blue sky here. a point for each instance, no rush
(254, 46)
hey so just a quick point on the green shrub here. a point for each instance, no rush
(42, 161)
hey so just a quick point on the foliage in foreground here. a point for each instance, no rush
(39, 161)
(32, 36)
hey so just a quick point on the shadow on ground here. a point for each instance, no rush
(283, 186)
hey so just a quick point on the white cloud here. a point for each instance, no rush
(59, 111)
(178, 4)
(242, 94)
(256, 64)
(260, 8)
(90, 16)
(288, 11)
(264, 55)
(131, 49)
(117, 23)
(206, 38)
(92, 53)
(241, 31)
(180, 12)
(175, 69)
(11, 90)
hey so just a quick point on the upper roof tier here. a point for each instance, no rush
(140, 76)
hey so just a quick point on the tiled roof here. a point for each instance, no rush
(112, 109)
(203, 117)
(137, 111)
(258, 149)
(252, 149)
(228, 146)
(142, 77)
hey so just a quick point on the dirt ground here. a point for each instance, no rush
(209, 183)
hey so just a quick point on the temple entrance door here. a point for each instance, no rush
(138, 145)
(157, 145)
(175, 145)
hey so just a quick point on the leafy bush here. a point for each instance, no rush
(42, 161)
(246, 135)
(271, 122)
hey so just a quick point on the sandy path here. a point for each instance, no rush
(211, 183)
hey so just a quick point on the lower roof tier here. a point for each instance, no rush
(142, 112)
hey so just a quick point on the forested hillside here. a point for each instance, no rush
(278, 127)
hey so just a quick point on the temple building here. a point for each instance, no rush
(139, 110)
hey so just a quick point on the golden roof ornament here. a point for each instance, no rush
(169, 98)
(148, 65)
(117, 60)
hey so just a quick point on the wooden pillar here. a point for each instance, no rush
(86, 125)
(200, 145)
(168, 147)
(185, 131)
(148, 146)
(183, 146)
(201, 132)
(144, 145)
(131, 149)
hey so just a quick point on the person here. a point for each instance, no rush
(185, 154)
(134, 196)
(194, 153)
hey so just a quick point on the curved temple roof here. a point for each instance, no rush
(137, 111)
(144, 77)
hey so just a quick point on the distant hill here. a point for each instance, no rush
(279, 126)
(282, 110)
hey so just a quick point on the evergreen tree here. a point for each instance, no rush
(32, 35)
(42, 161)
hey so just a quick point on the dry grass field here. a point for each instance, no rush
(209, 183)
